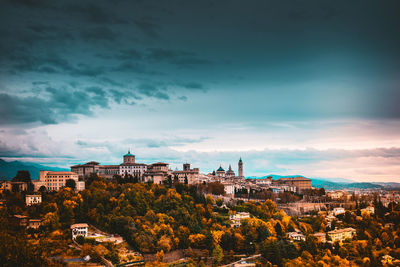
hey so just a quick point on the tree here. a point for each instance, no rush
(70, 183)
(217, 254)
(278, 229)
(186, 179)
(22, 176)
(160, 256)
(16, 251)
(42, 189)
(216, 188)
(270, 250)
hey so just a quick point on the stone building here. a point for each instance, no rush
(156, 173)
(19, 186)
(192, 175)
(54, 181)
(128, 166)
(240, 168)
(230, 173)
(220, 172)
(300, 183)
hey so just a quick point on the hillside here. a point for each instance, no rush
(8, 169)
(330, 183)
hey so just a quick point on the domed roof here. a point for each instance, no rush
(220, 169)
(129, 154)
(240, 160)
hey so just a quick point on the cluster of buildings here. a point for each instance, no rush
(337, 235)
(297, 184)
(156, 172)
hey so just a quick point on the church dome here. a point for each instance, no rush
(129, 154)
(220, 169)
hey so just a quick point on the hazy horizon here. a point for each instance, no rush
(292, 88)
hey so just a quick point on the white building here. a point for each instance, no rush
(79, 229)
(229, 189)
(130, 167)
(265, 181)
(298, 236)
(338, 211)
(33, 199)
(237, 217)
(54, 181)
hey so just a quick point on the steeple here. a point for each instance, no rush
(240, 168)
(129, 158)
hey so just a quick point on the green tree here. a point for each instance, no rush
(22, 176)
(270, 251)
(278, 229)
(70, 183)
(217, 254)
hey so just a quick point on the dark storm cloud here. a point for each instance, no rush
(176, 57)
(52, 63)
(131, 67)
(31, 3)
(54, 105)
(148, 27)
(112, 82)
(130, 53)
(151, 90)
(98, 34)
(95, 13)
(193, 86)
(58, 106)
(306, 55)
(96, 90)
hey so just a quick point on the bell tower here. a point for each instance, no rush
(240, 168)
(129, 158)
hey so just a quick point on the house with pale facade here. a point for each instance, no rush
(33, 199)
(338, 211)
(342, 234)
(54, 181)
(79, 229)
(237, 217)
(297, 236)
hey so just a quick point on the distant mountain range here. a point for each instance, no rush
(8, 169)
(337, 183)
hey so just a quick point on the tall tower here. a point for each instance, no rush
(186, 166)
(129, 158)
(240, 168)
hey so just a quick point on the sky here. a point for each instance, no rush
(292, 87)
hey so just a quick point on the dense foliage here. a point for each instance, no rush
(158, 219)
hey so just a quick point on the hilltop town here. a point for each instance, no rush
(134, 214)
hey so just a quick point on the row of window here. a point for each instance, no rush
(55, 184)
